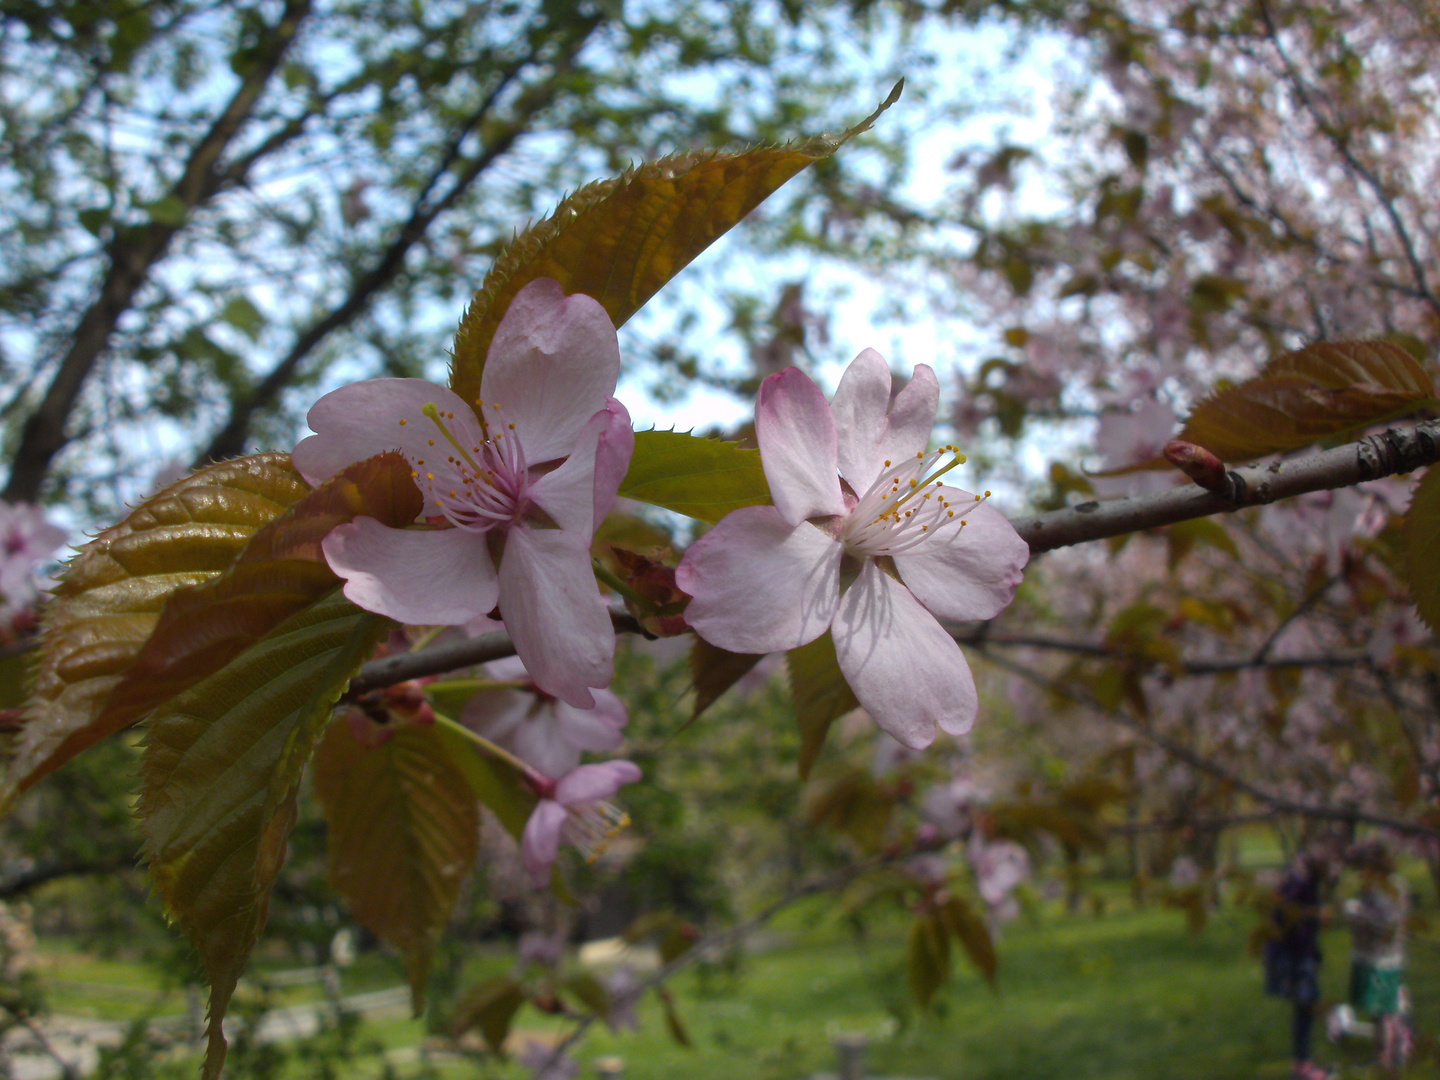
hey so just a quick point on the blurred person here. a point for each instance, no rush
(1292, 954)
(1377, 950)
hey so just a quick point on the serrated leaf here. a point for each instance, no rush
(281, 571)
(714, 670)
(404, 830)
(974, 936)
(821, 695)
(1314, 393)
(221, 768)
(699, 477)
(620, 240)
(490, 1006)
(927, 958)
(110, 596)
(497, 785)
(1422, 547)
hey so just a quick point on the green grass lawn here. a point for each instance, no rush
(1130, 995)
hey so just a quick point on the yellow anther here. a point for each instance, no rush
(404, 422)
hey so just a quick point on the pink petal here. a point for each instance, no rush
(975, 575)
(552, 364)
(759, 584)
(497, 713)
(796, 432)
(361, 420)
(612, 458)
(579, 494)
(439, 577)
(870, 429)
(905, 669)
(591, 783)
(554, 612)
(552, 738)
(540, 840)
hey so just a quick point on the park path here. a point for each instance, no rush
(76, 1041)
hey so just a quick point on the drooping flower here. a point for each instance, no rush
(515, 486)
(538, 728)
(864, 540)
(576, 810)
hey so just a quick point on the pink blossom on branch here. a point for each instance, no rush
(575, 810)
(514, 487)
(864, 540)
(538, 728)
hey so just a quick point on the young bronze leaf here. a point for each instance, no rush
(927, 957)
(620, 240)
(216, 805)
(1311, 394)
(695, 476)
(491, 1006)
(404, 831)
(972, 933)
(821, 695)
(714, 670)
(281, 571)
(1422, 547)
(112, 592)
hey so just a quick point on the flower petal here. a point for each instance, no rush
(498, 713)
(975, 575)
(540, 840)
(759, 584)
(438, 577)
(905, 669)
(554, 612)
(591, 783)
(579, 494)
(552, 363)
(796, 432)
(363, 419)
(870, 429)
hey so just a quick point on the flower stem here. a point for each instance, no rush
(489, 749)
(604, 574)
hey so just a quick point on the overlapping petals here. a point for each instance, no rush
(515, 485)
(864, 540)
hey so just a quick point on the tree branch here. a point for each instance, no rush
(133, 253)
(1383, 454)
(230, 440)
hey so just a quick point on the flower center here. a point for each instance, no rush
(592, 825)
(908, 507)
(478, 476)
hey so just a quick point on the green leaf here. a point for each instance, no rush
(221, 768)
(927, 957)
(1422, 547)
(1314, 393)
(404, 831)
(620, 240)
(821, 695)
(673, 1023)
(110, 597)
(974, 936)
(714, 670)
(490, 1006)
(695, 476)
(281, 571)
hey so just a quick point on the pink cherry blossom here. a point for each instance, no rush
(575, 811)
(538, 728)
(514, 488)
(27, 539)
(864, 540)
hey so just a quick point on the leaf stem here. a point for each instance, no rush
(489, 749)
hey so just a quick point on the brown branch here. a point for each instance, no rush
(133, 254)
(230, 440)
(1383, 454)
(1177, 750)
